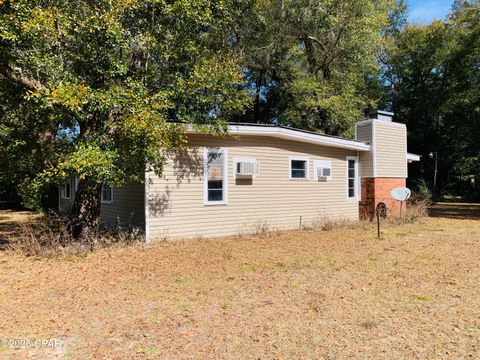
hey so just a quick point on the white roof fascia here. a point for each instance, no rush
(413, 157)
(295, 135)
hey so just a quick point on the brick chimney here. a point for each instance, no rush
(384, 168)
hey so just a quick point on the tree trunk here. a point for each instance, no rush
(85, 213)
(258, 89)
(49, 200)
(310, 51)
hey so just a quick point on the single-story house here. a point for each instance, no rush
(265, 176)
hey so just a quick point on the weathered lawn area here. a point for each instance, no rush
(333, 295)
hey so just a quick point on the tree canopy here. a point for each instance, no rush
(434, 82)
(313, 64)
(95, 89)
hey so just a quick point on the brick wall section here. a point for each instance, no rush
(377, 190)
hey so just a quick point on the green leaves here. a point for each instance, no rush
(70, 96)
(435, 76)
(311, 63)
(204, 89)
(102, 81)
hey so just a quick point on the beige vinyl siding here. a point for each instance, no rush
(128, 206)
(176, 201)
(390, 149)
(364, 133)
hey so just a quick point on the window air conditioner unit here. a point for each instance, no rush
(246, 168)
(323, 174)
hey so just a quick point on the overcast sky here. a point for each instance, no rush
(424, 11)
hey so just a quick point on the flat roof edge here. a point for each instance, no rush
(413, 157)
(295, 135)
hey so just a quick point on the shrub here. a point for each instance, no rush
(261, 228)
(325, 223)
(423, 191)
(416, 211)
(51, 238)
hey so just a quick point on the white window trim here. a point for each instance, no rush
(111, 197)
(374, 148)
(323, 164)
(307, 170)
(205, 176)
(359, 182)
(63, 190)
(243, 159)
(357, 178)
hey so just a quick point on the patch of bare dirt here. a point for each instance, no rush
(313, 294)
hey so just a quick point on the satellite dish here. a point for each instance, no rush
(401, 193)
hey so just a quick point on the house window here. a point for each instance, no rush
(66, 190)
(352, 177)
(107, 193)
(215, 177)
(298, 168)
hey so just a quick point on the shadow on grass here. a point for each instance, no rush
(7, 225)
(11, 221)
(455, 210)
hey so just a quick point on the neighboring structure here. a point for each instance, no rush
(261, 176)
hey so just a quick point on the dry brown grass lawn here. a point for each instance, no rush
(10, 220)
(340, 294)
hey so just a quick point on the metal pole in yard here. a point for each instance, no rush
(378, 224)
(435, 178)
(434, 155)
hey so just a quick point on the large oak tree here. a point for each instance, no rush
(96, 89)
